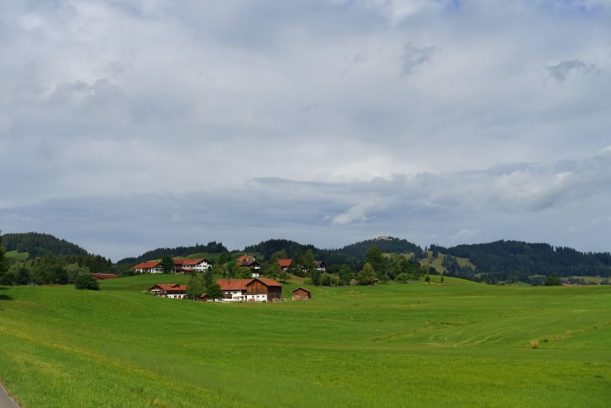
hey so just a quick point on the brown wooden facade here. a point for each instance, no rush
(301, 294)
(259, 287)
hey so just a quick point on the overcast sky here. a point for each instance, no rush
(129, 125)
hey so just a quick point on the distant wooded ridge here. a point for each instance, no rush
(500, 261)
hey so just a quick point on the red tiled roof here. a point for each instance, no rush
(233, 284)
(103, 276)
(285, 263)
(146, 265)
(246, 260)
(188, 262)
(241, 284)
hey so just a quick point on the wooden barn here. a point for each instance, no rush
(301, 294)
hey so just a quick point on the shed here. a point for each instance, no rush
(301, 294)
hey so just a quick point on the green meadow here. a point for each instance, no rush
(17, 256)
(440, 345)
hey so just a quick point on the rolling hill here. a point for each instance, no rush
(211, 247)
(36, 244)
(444, 345)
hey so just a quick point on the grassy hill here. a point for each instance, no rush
(456, 344)
(358, 250)
(437, 262)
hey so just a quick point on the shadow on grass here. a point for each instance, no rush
(3, 296)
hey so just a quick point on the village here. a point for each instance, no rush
(253, 289)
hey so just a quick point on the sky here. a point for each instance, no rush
(131, 125)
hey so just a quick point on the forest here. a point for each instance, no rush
(43, 258)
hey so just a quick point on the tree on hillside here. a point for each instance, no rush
(315, 276)
(73, 270)
(271, 269)
(346, 274)
(224, 257)
(367, 276)
(243, 272)
(195, 287)
(3, 261)
(279, 255)
(167, 264)
(329, 279)
(208, 276)
(283, 276)
(308, 261)
(375, 258)
(231, 269)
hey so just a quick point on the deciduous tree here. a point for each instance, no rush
(367, 276)
(195, 287)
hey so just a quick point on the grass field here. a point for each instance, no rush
(457, 344)
(437, 262)
(17, 256)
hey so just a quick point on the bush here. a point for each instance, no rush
(553, 280)
(86, 281)
(327, 279)
(402, 277)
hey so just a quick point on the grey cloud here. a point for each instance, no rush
(79, 93)
(414, 56)
(140, 105)
(563, 69)
(441, 208)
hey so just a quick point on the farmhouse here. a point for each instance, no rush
(250, 290)
(169, 290)
(250, 262)
(190, 265)
(148, 267)
(301, 294)
(285, 264)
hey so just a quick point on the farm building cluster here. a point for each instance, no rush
(202, 264)
(253, 289)
(235, 290)
(180, 266)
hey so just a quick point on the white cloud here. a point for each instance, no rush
(358, 212)
(113, 99)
